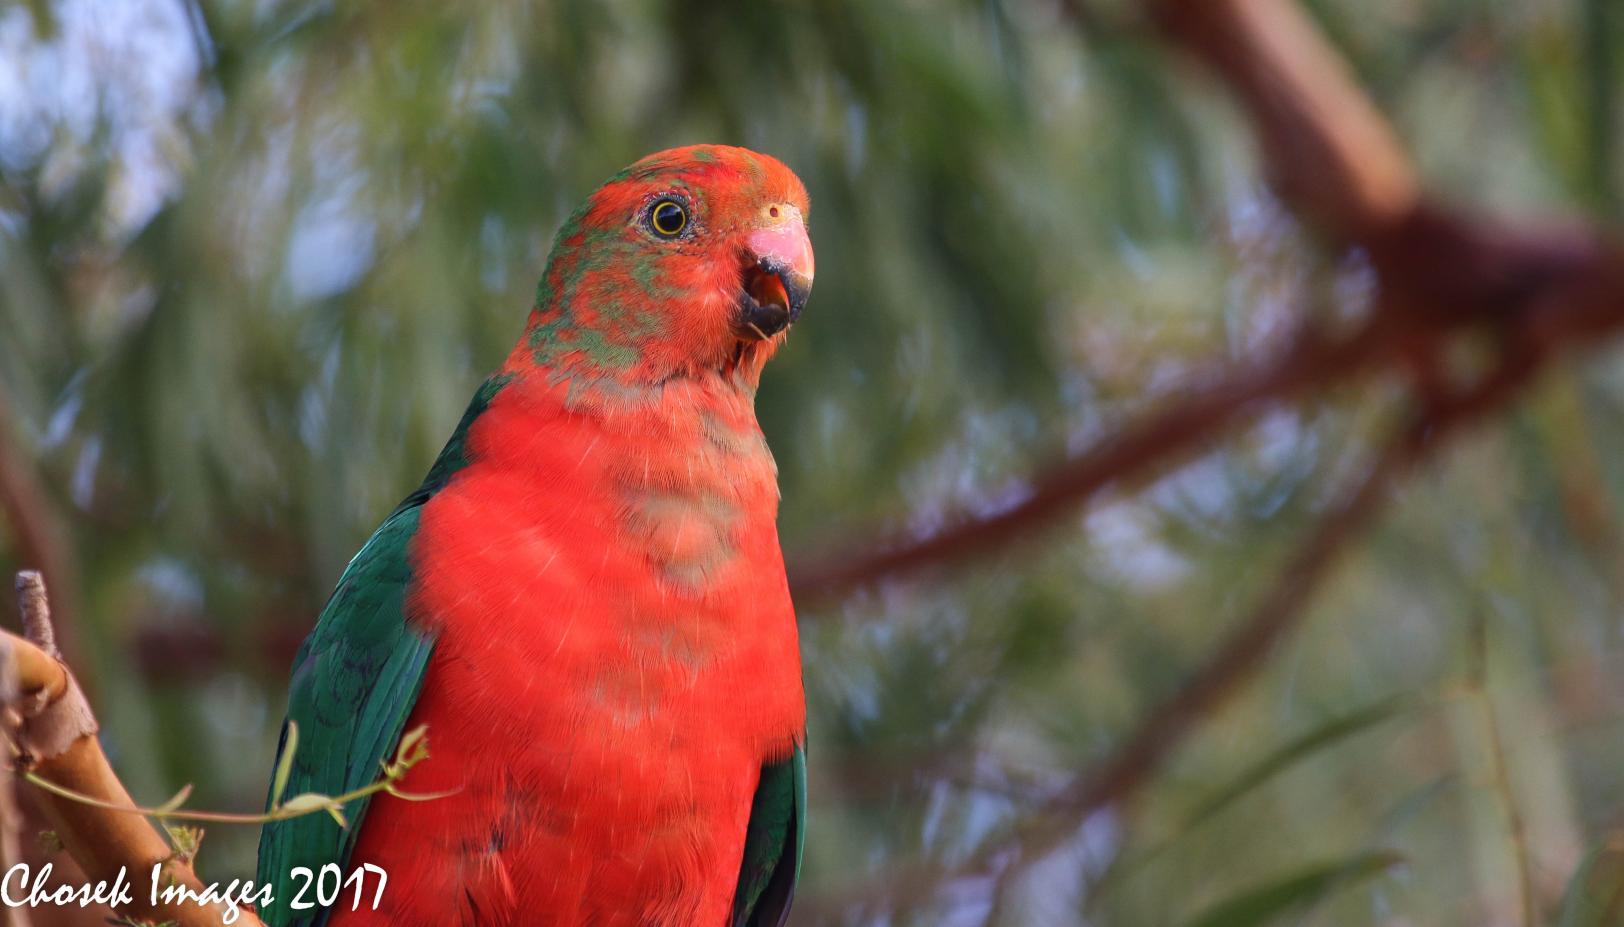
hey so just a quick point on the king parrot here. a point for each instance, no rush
(584, 602)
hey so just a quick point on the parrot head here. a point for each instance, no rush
(691, 260)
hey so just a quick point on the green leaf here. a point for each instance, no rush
(1299, 748)
(1595, 894)
(1265, 904)
(186, 841)
(284, 764)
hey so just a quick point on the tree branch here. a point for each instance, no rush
(1538, 291)
(1197, 416)
(1241, 655)
(56, 740)
(1438, 271)
(1329, 152)
(1237, 659)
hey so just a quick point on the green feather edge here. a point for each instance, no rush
(354, 684)
(773, 845)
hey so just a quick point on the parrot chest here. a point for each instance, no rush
(616, 659)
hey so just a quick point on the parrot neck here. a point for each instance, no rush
(588, 349)
(607, 314)
(680, 473)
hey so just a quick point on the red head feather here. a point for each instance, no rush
(693, 259)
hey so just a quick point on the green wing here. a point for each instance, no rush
(354, 683)
(773, 845)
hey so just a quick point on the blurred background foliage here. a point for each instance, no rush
(256, 254)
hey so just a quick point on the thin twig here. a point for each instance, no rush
(1237, 660)
(1187, 423)
(1477, 678)
(414, 749)
(1159, 733)
(1245, 652)
(1332, 157)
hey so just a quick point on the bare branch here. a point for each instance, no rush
(1189, 422)
(1438, 271)
(1236, 660)
(1130, 765)
(1539, 291)
(56, 741)
(1245, 651)
(1329, 152)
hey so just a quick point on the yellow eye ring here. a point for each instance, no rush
(667, 218)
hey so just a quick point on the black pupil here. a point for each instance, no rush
(668, 218)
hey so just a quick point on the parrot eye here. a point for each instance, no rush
(667, 218)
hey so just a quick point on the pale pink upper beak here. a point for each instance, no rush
(785, 243)
(782, 248)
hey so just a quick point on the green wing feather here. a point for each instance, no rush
(354, 683)
(773, 845)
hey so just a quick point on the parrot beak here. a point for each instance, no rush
(779, 279)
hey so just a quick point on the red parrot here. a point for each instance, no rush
(585, 601)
